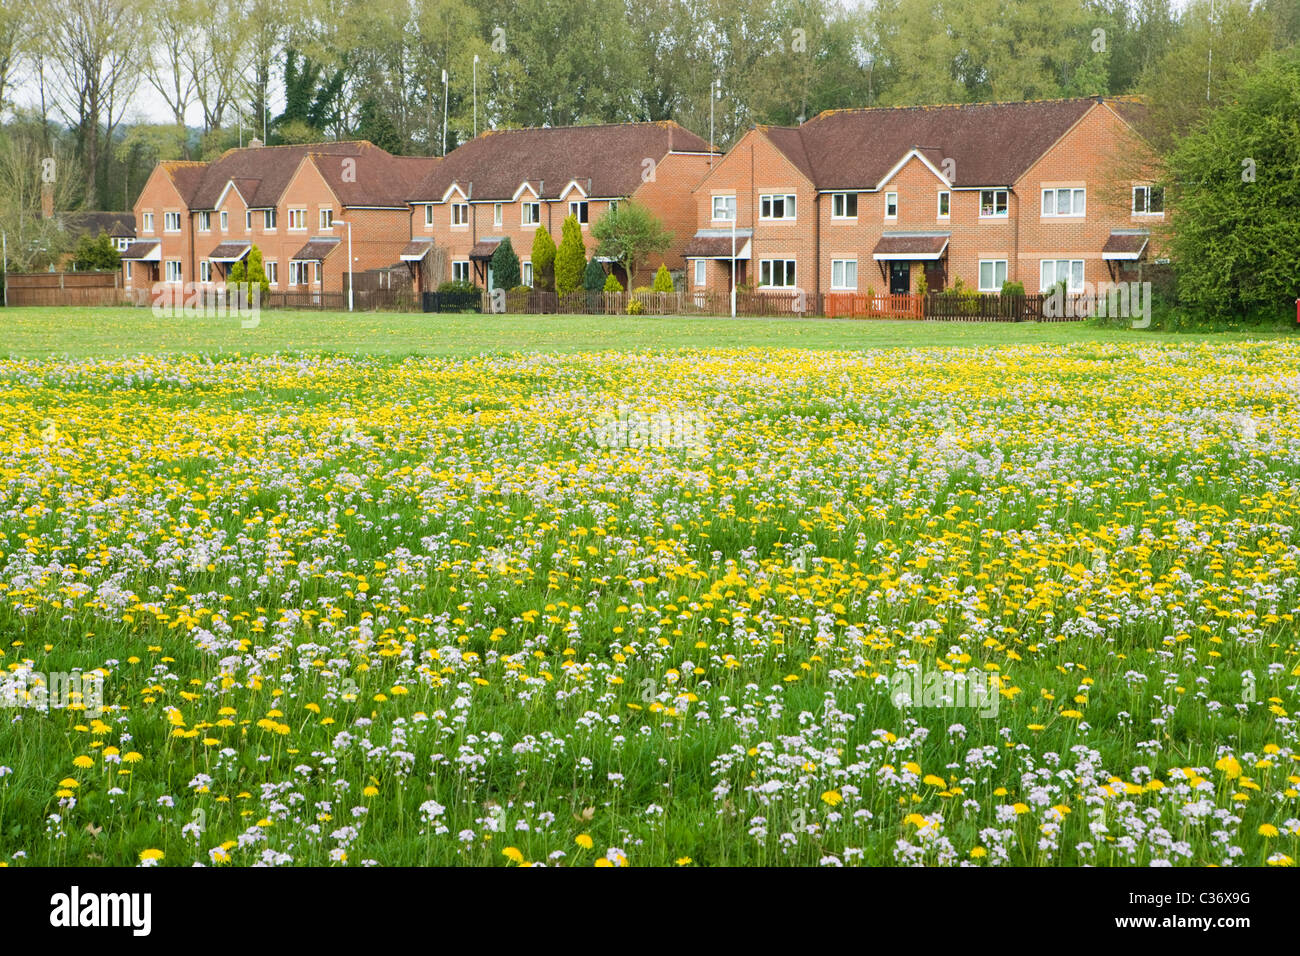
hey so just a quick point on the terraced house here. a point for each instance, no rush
(195, 220)
(509, 182)
(881, 198)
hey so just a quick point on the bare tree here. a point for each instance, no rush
(173, 35)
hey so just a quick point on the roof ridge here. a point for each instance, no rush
(1096, 98)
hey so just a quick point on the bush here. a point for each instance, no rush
(505, 265)
(612, 284)
(922, 286)
(634, 307)
(255, 271)
(458, 285)
(521, 290)
(571, 257)
(543, 260)
(663, 280)
(593, 277)
(1013, 288)
(96, 253)
(643, 288)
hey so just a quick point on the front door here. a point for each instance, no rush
(900, 278)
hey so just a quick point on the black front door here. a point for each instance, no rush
(900, 278)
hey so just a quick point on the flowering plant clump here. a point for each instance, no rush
(962, 606)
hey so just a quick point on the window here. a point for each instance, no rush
(121, 244)
(205, 221)
(205, 270)
(724, 208)
(526, 273)
(268, 219)
(993, 203)
(613, 205)
(460, 214)
(225, 220)
(297, 219)
(531, 213)
(1063, 202)
(128, 270)
(326, 219)
(844, 273)
(1069, 271)
(298, 272)
(1148, 200)
(993, 272)
(171, 222)
(428, 214)
(776, 207)
(776, 273)
(460, 271)
(316, 272)
(248, 220)
(273, 271)
(146, 224)
(578, 207)
(700, 266)
(844, 205)
(891, 205)
(945, 204)
(497, 214)
(173, 270)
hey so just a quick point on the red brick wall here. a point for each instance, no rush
(670, 197)
(160, 196)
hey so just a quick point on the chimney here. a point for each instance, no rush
(47, 200)
(254, 143)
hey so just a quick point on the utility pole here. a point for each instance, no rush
(444, 112)
(476, 96)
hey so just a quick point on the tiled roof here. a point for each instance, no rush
(1125, 244)
(148, 249)
(230, 251)
(989, 144)
(317, 250)
(92, 223)
(716, 244)
(484, 248)
(186, 175)
(607, 161)
(416, 249)
(378, 178)
(903, 245)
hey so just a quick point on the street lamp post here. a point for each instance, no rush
(4, 239)
(348, 223)
(476, 96)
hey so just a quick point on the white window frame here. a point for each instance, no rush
(205, 221)
(269, 220)
(841, 200)
(298, 219)
(460, 271)
(536, 207)
(526, 273)
(272, 267)
(1146, 191)
(842, 284)
(225, 221)
(460, 215)
(1072, 286)
(168, 219)
(315, 272)
(173, 266)
(1006, 203)
(327, 219)
(205, 270)
(996, 286)
(944, 197)
(579, 208)
(1076, 198)
(428, 214)
(728, 208)
(767, 207)
(891, 199)
(146, 223)
(498, 214)
(248, 220)
(789, 273)
(701, 272)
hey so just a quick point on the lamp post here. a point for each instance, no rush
(444, 112)
(348, 223)
(4, 240)
(733, 260)
(476, 96)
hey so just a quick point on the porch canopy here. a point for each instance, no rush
(1125, 244)
(416, 250)
(911, 246)
(148, 251)
(227, 252)
(483, 249)
(716, 244)
(316, 250)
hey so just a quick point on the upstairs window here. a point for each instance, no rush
(460, 214)
(171, 222)
(724, 208)
(844, 205)
(1148, 200)
(1064, 202)
(993, 204)
(945, 204)
(268, 219)
(205, 221)
(531, 213)
(779, 206)
(578, 207)
(891, 205)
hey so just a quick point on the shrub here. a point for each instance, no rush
(1013, 288)
(255, 272)
(643, 288)
(96, 253)
(922, 286)
(505, 265)
(521, 290)
(634, 307)
(543, 260)
(612, 284)
(458, 285)
(571, 257)
(593, 277)
(663, 280)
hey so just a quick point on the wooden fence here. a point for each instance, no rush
(854, 305)
(65, 288)
(650, 303)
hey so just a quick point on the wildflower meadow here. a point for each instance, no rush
(1024, 604)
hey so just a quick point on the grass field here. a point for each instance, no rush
(1024, 597)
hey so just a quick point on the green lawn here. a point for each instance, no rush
(84, 332)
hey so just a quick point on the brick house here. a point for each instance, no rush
(195, 220)
(508, 182)
(876, 198)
